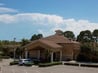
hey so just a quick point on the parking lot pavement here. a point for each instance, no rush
(5, 68)
(52, 69)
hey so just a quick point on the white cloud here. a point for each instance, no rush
(7, 10)
(38, 18)
(6, 18)
(77, 26)
(46, 20)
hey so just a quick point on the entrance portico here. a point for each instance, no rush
(44, 54)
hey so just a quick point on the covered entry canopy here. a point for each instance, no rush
(40, 47)
(44, 44)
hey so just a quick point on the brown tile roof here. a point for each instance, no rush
(59, 39)
(44, 43)
(52, 41)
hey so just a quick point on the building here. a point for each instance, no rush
(53, 48)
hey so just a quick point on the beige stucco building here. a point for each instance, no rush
(53, 48)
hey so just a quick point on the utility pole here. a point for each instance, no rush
(14, 48)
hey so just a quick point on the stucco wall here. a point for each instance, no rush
(70, 51)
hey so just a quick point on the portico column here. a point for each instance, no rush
(72, 55)
(14, 53)
(38, 54)
(60, 55)
(26, 53)
(51, 56)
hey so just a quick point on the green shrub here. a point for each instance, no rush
(4, 57)
(72, 64)
(36, 62)
(29, 64)
(14, 62)
(90, 65)
(49, 64)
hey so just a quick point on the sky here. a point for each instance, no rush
(22, 18)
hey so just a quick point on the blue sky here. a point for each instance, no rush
(23, 18)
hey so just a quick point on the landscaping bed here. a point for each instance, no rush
(49, 64)
(90, 65)
(73, 64)
(4, 57)
(29, 64)
(82, 64)
(14, 62)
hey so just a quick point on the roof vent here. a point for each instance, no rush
(59, 32)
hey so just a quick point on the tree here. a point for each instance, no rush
(5, 51)
(85, 53)
(5, 42)
(18, 52)
(95, 35)
(24, 42)
(88, 49)
(84, 36)
(36, 36)
(69, 34)
(39, 36)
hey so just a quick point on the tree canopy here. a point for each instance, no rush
(36, 36)
(24, 42)
(95, 35)
(84, 36)
(69, 34)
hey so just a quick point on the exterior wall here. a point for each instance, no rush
(33, 54)
(44, 55)
(67, 54)
(70, 51)
(56, 56)
(38, 53)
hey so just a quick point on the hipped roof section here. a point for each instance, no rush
(51, 42)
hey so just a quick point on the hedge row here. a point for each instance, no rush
(4, 57)
(29, 64)
(49, 64)
(14, 62)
